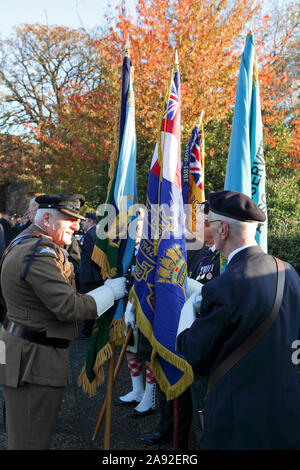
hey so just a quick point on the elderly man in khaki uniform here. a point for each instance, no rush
(42, 305)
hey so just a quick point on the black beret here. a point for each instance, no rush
(92, 216)
(67, 203)
(204, 207)
(236, 206)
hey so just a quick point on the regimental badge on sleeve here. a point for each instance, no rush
(48, 250)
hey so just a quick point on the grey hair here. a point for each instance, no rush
(40, 212)
(238, 227)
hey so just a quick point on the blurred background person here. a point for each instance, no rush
(89, 274)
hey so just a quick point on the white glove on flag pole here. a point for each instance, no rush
(129, 317)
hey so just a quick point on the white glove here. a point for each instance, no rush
(105, 296)
(188, 313)
(118, 286)
(192, 286)
(129, 317)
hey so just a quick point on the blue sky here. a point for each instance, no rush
(72, 13)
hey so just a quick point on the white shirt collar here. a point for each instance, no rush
(234, 252)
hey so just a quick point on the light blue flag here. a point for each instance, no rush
(246, 165)
(114, 253)
(125, 192)
(125, 189)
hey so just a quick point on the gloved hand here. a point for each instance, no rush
(192, 286)
(118, 286)
(104, 296)
(129, 317)
(188, 312)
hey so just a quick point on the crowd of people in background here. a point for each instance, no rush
(228, 309)
(12, 224)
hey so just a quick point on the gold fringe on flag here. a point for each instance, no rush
(181, 385)
(100, 258)
(90, 387)
(87, 386)
(145, 327)
(116, 336)
(103, 355)
(117, 331)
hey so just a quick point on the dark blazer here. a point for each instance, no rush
(2, 241)
(14, 231)
(256, 405)
(203, 265)
(194, 258)
(6, 227)
(74, 254)
(89, 271)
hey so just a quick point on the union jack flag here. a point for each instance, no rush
(173, 106)
(160, 277)
(170, 137)
(193, 175)
(196, 165)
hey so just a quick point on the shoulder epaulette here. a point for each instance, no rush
(20, 238)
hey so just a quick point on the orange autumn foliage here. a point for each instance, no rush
(75, 115)
(209, 38)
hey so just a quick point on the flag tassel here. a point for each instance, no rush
(100, 258)
(90, 387)
(117, 331)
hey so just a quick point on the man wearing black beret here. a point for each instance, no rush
(253, 398)
(38, 286)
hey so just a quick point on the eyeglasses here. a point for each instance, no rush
(208, 222)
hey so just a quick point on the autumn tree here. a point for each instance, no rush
(51, 76)
(205, 35)
(63, 86)
(209, 38)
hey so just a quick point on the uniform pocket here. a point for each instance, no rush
(16, 313)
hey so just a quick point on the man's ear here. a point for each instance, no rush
(46, 219)
(224, 230)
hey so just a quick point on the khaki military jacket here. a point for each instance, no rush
(46, 300)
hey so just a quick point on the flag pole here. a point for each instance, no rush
(127, 47)
(117, 369)
(176, 400)
(109, 390)
(110, 373)
(175, 423)
(200, 118)
(200, 125)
